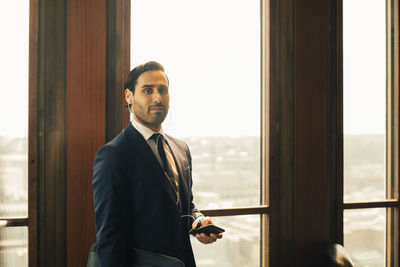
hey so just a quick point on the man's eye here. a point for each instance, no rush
(148, 91)
(163, 90)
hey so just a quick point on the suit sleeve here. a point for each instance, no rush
(110, 208)
(194, 211)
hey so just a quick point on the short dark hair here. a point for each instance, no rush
(131, 79)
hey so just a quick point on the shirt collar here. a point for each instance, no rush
(145, 131)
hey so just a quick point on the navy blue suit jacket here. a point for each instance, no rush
(135, 205)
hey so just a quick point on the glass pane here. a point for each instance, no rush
(213, 65)
(14, 247)
(392, 229)
(240, 246)
(364, 236)
(14, 108)
(364, 99)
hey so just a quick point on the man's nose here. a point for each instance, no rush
(157, 97)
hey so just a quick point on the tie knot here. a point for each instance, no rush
(157, 137)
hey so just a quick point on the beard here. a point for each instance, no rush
(150, 118)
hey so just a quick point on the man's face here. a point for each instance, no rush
(150, 101)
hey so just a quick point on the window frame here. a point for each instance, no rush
(33, 135)
(392, 201)
(286, 35)
(263, 209)
(31, 220)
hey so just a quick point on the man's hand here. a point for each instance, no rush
(203, 238)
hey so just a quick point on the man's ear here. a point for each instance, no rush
(128, 96)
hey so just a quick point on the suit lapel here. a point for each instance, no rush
(143, 150)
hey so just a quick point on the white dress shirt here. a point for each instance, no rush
(147, 133)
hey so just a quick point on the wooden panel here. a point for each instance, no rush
(332, 83)
(313, 60)
(14, 222)
(33, 134)
(118, 65)
(396, 71)
(281, 127)
(236, 211)
(339, 122)
(51, 133)
(371, 205)
(85, 91)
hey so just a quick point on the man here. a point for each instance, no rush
(142, 181)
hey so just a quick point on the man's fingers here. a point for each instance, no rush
(201, 238)
(205, 239)
(218, 236)
(203, 220)
(214, 236)
(206, 221)
(208, 239)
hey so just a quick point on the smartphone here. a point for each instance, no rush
(208, 229)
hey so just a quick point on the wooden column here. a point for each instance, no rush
(118, 61)
(303, 126)
(79, 90)
(51, 133)
(85, 119)
(281, 129)
(315, 144)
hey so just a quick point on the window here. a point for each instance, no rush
(371, 123)
(212, 55)
(14, 133)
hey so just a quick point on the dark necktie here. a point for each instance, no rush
(159, 139)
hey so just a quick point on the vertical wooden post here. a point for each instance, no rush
(85, 119)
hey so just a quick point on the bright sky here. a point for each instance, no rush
(211, 54)
(14, 18)
(364, 66)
